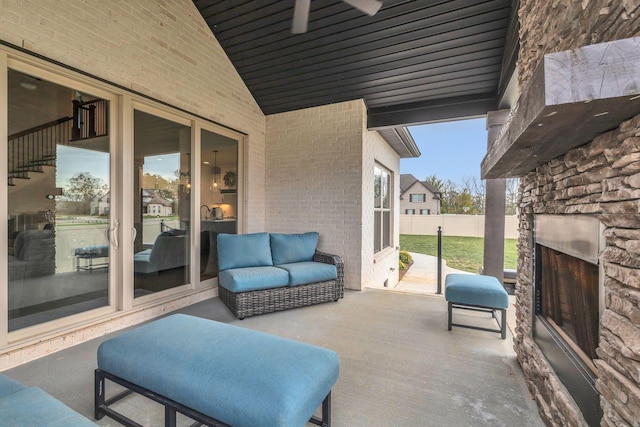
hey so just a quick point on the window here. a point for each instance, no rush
(425, 211)
(418, 198)
(381, 209)
(410, 211)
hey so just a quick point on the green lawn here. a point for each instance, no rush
(462, 253)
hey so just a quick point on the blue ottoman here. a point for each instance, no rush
(478, 293)
(218, 374)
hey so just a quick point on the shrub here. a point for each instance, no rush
(402, 265)
(405, 257)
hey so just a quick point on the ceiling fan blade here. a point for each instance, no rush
(300, 16)
(370, 7)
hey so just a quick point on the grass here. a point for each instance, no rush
(461, 253)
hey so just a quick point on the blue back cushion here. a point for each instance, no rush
(243, 250)
(289, 248)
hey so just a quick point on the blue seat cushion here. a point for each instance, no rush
(303, 273)
(243, 250)
(253, 278)
(34, 407)
(288, 248)
(235, 375)
(475, 289)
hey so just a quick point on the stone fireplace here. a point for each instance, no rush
(573, 138)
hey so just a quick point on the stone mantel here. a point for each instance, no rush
(572, 97)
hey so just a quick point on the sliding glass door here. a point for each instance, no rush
(102, 192)
(58, 205)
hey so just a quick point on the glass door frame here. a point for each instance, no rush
(76, 81)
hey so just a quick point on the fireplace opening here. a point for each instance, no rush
(569, 300)
(567, 292)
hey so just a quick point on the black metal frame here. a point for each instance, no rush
(89, 265)
(171, 407)
(502, 324)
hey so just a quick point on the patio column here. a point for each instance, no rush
(494, 206)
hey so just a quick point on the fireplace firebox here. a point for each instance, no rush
(568, 298)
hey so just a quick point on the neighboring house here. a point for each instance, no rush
(100, 205)
(153, 204)
(418, 197)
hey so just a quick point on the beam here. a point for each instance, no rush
(430, 111)
(572, 97)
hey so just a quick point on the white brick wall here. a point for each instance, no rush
(162, 49)
(320, 177)
(382, 266)
(314, 178)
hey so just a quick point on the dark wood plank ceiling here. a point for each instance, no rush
(411, 57)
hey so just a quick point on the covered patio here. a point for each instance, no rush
(399, 364)
(317, 120)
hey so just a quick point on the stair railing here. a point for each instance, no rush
(33, 148)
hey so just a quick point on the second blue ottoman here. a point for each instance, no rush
(479, 293)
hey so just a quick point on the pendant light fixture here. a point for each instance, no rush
(215, 170)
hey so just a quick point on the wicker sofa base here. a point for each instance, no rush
(245, 304)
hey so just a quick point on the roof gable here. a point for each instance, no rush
(407, 181)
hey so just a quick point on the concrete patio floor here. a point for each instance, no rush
(399, 364)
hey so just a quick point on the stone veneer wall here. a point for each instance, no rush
(548, 26)
(600, 178)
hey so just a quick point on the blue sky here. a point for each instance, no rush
(452, 150)
(75, 160)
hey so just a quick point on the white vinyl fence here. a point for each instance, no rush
(453, 225)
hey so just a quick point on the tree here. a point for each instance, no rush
(465, 198)
(435, 181)
(84, 188)
(477, 190)
(511, 196)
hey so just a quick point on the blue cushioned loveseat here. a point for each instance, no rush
(31, 406)
(265, 272)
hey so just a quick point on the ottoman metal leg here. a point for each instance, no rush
(450, 315)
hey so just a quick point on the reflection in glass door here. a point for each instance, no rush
(161, 213)
(58, 162)
(218, 196)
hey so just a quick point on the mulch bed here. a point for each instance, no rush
(403, 272)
